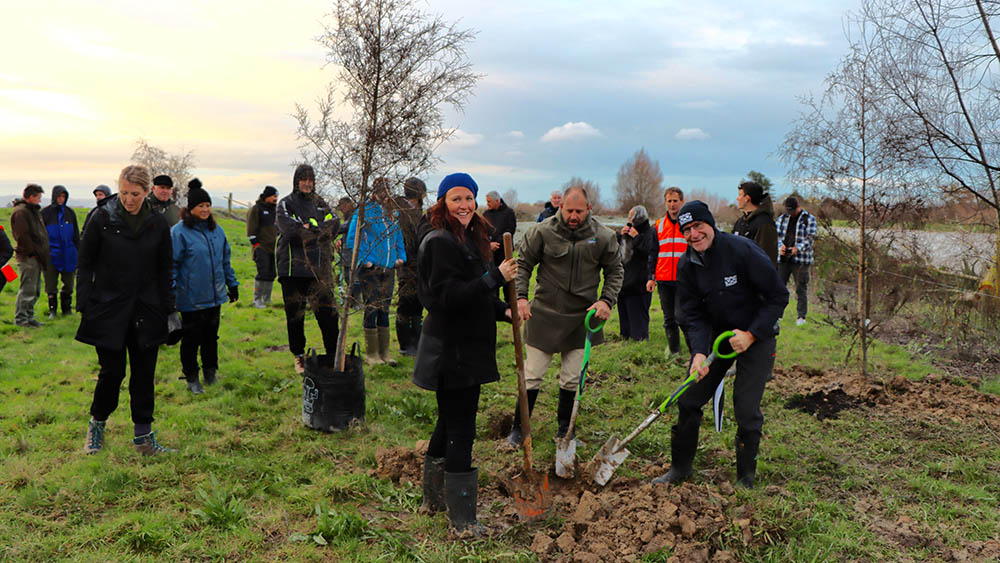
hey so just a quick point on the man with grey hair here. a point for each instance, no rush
(503, 220)
(551, 206)
(571, 250)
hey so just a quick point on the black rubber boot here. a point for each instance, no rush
(433, 486)
(746, 458)
(673, 339)
(516, 435)
(566, 400)
(461, 492)
(209, 375)
(193, 384)
(682, 449)
(403, 334)
(53, 306)
(66, 302)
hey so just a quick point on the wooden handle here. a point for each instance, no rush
(522, 388)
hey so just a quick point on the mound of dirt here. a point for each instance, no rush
(401, 465)
(823, 404)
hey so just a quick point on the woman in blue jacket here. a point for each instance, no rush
(203, 281)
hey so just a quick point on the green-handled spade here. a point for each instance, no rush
(566, 447)
(613, 453)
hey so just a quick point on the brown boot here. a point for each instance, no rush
(383, 346)
(371, 347)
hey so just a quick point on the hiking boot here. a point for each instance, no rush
(53, 306)
(682, 450)
(147, 445)
(516, 436)
(371, 347)
(66, 304)
(433, 486)
(461, 492)
(746, 458)
(193, 384)
(383, 346)
(95, 436)
(209, 375)
(300, 364)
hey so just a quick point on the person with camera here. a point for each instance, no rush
(638, 245)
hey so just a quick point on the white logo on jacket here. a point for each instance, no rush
(730, 281)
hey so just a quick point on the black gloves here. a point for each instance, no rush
(234, 293)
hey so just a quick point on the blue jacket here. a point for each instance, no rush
(381, 238)
(202, 272)
(64, 234)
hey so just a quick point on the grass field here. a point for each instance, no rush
(250, 482)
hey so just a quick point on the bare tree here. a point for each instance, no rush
(940, 59)
(510, 197)
(396, 67)
(593, 193)
(846, 146)
(640, 182)
(176, 165)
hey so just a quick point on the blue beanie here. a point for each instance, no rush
(455, 180)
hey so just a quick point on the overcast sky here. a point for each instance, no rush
(569, 89)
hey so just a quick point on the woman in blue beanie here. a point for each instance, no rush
(457, 350)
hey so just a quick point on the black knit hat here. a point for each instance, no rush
(163, 180)
(694, 211)
(268, 192)
(196, 194)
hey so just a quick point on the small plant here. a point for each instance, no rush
(406, 497)
(335, 527)
(418, 407)
(220, 507)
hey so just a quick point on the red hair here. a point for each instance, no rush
(478, 229)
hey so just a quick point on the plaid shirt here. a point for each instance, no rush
(805, 232)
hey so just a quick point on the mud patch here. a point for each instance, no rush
(281, 348)
(822, 404)
(499, 426)
(401, 465)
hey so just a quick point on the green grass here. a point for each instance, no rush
(251, 482)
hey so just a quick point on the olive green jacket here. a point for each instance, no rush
(570, 264)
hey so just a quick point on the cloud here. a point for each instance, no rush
(516, 134)
(699, 104)
(570, 132)
(691, 134)
(463, 139)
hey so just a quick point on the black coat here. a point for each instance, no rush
(503, 220)
(124, 279)
(305, 250)
(459, 290)
(759, 227)
(6, 253)
(637, 271)
(732, 285)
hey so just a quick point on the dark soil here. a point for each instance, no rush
(823, 404)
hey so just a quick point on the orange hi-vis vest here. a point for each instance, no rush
(672, 247)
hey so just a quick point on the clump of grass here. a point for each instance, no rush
(219, 507)
(335, 527)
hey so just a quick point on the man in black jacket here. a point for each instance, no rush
(306, 229)
(724, 283)
(503, 220)
(409, 310)
(6, 253)
(262, 234)
(757, 221)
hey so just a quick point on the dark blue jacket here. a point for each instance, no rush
(732, 285)
(202, 272)
(64, 234)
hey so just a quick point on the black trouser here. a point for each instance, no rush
(633, 315)
(456, 428)
(376, 286)
(752, 370)
(409, 302)
(201, 331)
(52, 277)
(801, 272)
(264, 260)
(668, 302)
(140, 383)
(298, 293)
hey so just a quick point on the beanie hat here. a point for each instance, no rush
(455, 180)
(754, 191)
(104, 190)
(694, 211)
(163, 180)
(196, 194)
(269, 191)
(414, 188)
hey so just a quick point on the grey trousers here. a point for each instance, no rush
(801, 274)
(31, 285)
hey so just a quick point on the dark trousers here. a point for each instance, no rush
(456, 428)
(140, 383)
(266, 268)
(52, 278)
(300, 293)
(376, 286)
(201, 332)
(753, 369)
(801, 274)
(633, 314)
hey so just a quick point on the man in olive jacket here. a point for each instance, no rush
(32, 252)
(571, 250)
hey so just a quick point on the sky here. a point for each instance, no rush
(572, 88)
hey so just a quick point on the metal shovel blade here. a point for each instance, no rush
(566, 457)
(607, 460)
(531, 495)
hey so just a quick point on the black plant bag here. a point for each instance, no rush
(332, 400)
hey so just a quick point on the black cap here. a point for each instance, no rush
(791, 203)
(269, 191)
(694, 211)
(163, 180)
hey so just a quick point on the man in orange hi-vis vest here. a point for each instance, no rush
(671, 246)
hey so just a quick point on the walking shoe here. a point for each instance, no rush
(35, 323)
(147, 445)
(800, 321)
(95, 436)
(300, 364)
(195, 387)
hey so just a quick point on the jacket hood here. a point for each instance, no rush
(22, 201)
(766, 207)
(57, 191)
